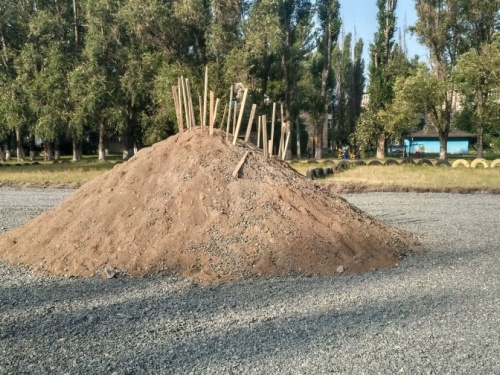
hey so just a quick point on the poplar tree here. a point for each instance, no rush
(329, 25)
(381, 78)
(440, 29)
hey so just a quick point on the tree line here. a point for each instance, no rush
(70, 68)
(458, 88)
(74, 68)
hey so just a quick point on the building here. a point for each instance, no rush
(427, 141)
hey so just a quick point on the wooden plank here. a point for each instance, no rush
(229, 115)
(265, 144)
(204, 122)
(273, 119)
(240, 164)
(250, 123)
(240, 116)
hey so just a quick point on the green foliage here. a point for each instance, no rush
(478, 79)
(387, 63)
(421, 93)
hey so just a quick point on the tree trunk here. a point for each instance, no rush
(57, 150)
(19, 145)
(100, 148)
(8, 154)
(32, 147)
(319, 149)
(381, 146)
(77, 151)
(443, 141)
(297, 129)
(128, 142)
(480, 146)
(47, 148)
(2, 154)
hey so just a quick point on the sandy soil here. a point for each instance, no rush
(175, 207)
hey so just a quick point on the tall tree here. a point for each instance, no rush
(439, 29)
(356, 87)
(381, 77)
(329, 25)
(480, 20)
(14, 111)
(349, 85)
(421, 93)
(478, 80)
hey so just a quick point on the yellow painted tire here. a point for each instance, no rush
(460, 162)
(495, 163)
(478, 161)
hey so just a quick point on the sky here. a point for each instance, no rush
(361, 15)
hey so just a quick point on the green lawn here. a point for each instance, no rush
(50, 173)
(404, 177)
(408, 177)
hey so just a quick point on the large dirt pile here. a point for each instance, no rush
(176, 207)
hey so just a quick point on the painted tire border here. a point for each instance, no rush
(460, 162)
(495, 163)
(478, 161)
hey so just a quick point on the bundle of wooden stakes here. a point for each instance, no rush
(185, 114)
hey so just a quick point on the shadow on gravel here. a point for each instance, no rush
(84, 326)
(401, 219)
(291, 335)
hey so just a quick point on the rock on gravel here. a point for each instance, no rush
(435, 313)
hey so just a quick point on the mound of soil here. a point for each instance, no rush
(176, 207)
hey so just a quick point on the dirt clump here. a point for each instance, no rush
(176, 207)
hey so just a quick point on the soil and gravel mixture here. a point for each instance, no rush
(176, 207)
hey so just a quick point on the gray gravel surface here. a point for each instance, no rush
(437, 313)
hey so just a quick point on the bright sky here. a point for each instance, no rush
(362, 16)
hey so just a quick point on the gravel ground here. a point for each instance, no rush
(438, 312)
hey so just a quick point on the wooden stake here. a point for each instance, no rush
(214, 116)
(223, 116)
(184, 97)
(204, 123)
(190, 104)
(211, 112)
(282, 139)
(233, 125)
(179, 100)
(272, 130)
(229, 115)
(240, 116)
(240, 164)
(264, 136)
(200, 104)
(216, 109)
(258, 131)
(176, 104)
(282, 135)
(250, 123)
(287, 143)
